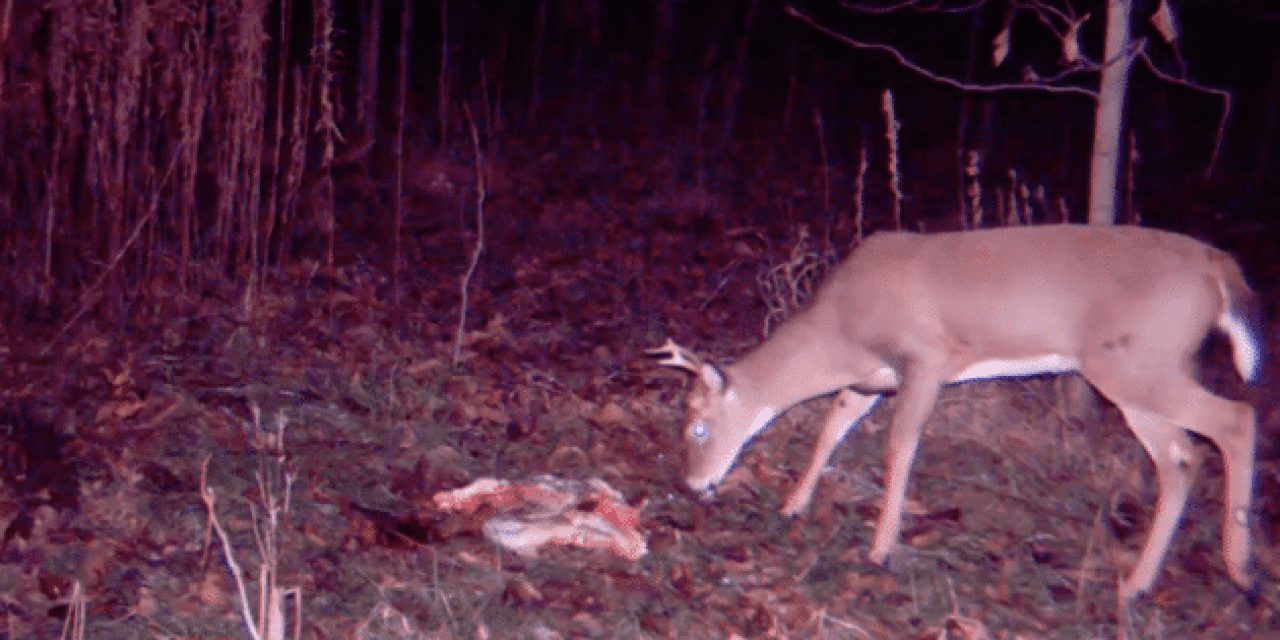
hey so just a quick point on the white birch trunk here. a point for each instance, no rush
(1107, 122)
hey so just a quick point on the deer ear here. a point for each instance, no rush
(712, 378)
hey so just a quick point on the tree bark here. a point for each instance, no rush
(1109, 118)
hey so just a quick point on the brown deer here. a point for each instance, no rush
(1127, 307)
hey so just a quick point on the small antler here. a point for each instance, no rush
(674, 355)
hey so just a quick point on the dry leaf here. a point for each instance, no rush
(611, 413)
(1000, 46)
(1162, 20)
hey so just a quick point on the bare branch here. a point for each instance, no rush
(1141, 53)
(915, 5)
(228, 552)
(94, 294)
(951, 82)
(1041, 9)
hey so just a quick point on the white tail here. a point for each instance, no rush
(1127, 307)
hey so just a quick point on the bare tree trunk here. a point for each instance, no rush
(590, 19)
(275, 220)
(1270, 127)
(710, 55)
(326, 118)
(442, 83)
(962, 123)
(735, 78)
(401, 88)
(6, 25)
(664, 33)
(299, 124)
(793, 86)
(1103, 173)
(539, 43)
(371, 35)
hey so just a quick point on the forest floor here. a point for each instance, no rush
(325, 414)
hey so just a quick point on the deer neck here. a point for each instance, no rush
(793, 365)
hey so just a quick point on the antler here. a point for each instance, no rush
(674, 355)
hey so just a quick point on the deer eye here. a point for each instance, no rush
(698, 430)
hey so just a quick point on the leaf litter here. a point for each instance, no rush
(1012, 531)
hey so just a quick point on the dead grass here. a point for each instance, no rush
(1016, 520)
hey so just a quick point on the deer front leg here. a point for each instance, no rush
(846, 410)
(915, 401)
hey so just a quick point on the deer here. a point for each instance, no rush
(1126, 307)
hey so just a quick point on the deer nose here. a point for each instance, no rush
(704, 490)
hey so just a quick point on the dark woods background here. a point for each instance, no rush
(168, 142)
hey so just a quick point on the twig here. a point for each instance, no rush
(1084, 560)
(73, 625)
(227, 551)
(917, 5)
(1141, 52)
(726, 274)
(270, 623)
(90, 300)
(475, 254)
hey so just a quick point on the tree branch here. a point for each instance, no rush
(951, 82)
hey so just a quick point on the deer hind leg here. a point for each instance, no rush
(1176, 461)
(1159, 410)
(1232, 427)
(846, 410)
